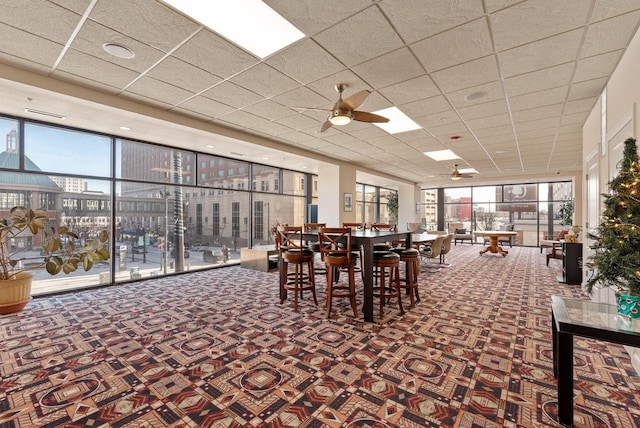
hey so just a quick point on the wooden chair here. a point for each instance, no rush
(293, 252)
(335, 248)
(314, 245)
(357, 247)
(383, 260)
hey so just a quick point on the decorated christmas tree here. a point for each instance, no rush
(617, 238)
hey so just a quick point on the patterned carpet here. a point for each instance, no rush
(216, 349)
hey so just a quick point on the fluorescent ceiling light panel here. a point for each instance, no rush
(442, 155)
(398, 121)
(467, 171)
(250, 24)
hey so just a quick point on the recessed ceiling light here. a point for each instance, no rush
(442, 155)
(125, 128)
(236, 154)
(250, 24)
(45, 113)
(398, 121)
(475, 96)
(118, 50)
(209, 146)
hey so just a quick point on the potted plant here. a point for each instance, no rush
(59, 253)
(617, 238)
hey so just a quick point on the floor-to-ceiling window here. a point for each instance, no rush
(371, 204)
(167, 210)
(533, 209)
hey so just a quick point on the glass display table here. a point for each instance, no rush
(575, 317)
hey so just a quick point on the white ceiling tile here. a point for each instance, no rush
(540, 80)
(20, 44)
(233, 95)
(269, 110)
(125, 17)
(264, 80)
(590, 88)
(493, 90)
(410, 90)
(361, 37)
(92, 68)
(210, 52)
(415, 21)
(157, 90)
(473, 73)
(206, 106)
(271, 128)
(610, 35)
(542, 54)
(244, 119)
(489, 121)
(186, 76)
(554, 110)
(46, 19)
(604, 9)
(461, 44)
(389, 69)
(585, 104)
(426, 107)
(539, 99)
(305, 62)
(597, 66)
(483, 110)
(536, 19)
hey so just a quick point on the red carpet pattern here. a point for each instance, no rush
(217, 349)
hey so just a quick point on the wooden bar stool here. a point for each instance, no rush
(315, 245)
(383, 260)
(293, 252)
(411, 259)
(335, 247)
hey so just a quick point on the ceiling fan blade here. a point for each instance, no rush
(363, 116)
(356, 100)
(326, 125)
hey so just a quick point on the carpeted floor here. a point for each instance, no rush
(216, 349)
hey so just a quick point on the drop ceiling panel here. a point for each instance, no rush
(148, 21)
(389, 69)
(588, 89)
(522, 23)
(473, 73)
(539, 99)
(264, 80)
(47, 20)
(233, 95)
(26, 47)
(597, 66)
(375, 37)
(212, 53)
(157, 90)
(411, 90)
(478, 111)
(461, 44)
(414, 21)
(305, 62)
(89, 67)
(611, 34)
(206, 107)
(145, 55)
(542, 54)
(540, 80)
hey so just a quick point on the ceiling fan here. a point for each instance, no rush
(344, 111)
(457, 175)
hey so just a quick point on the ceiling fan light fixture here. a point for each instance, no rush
(340, 117)
(455, 177)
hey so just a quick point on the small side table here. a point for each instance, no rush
(575, 317)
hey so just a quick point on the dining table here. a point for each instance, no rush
(366, 238)
(493, 236)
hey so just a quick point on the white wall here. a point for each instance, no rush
(623, 96)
